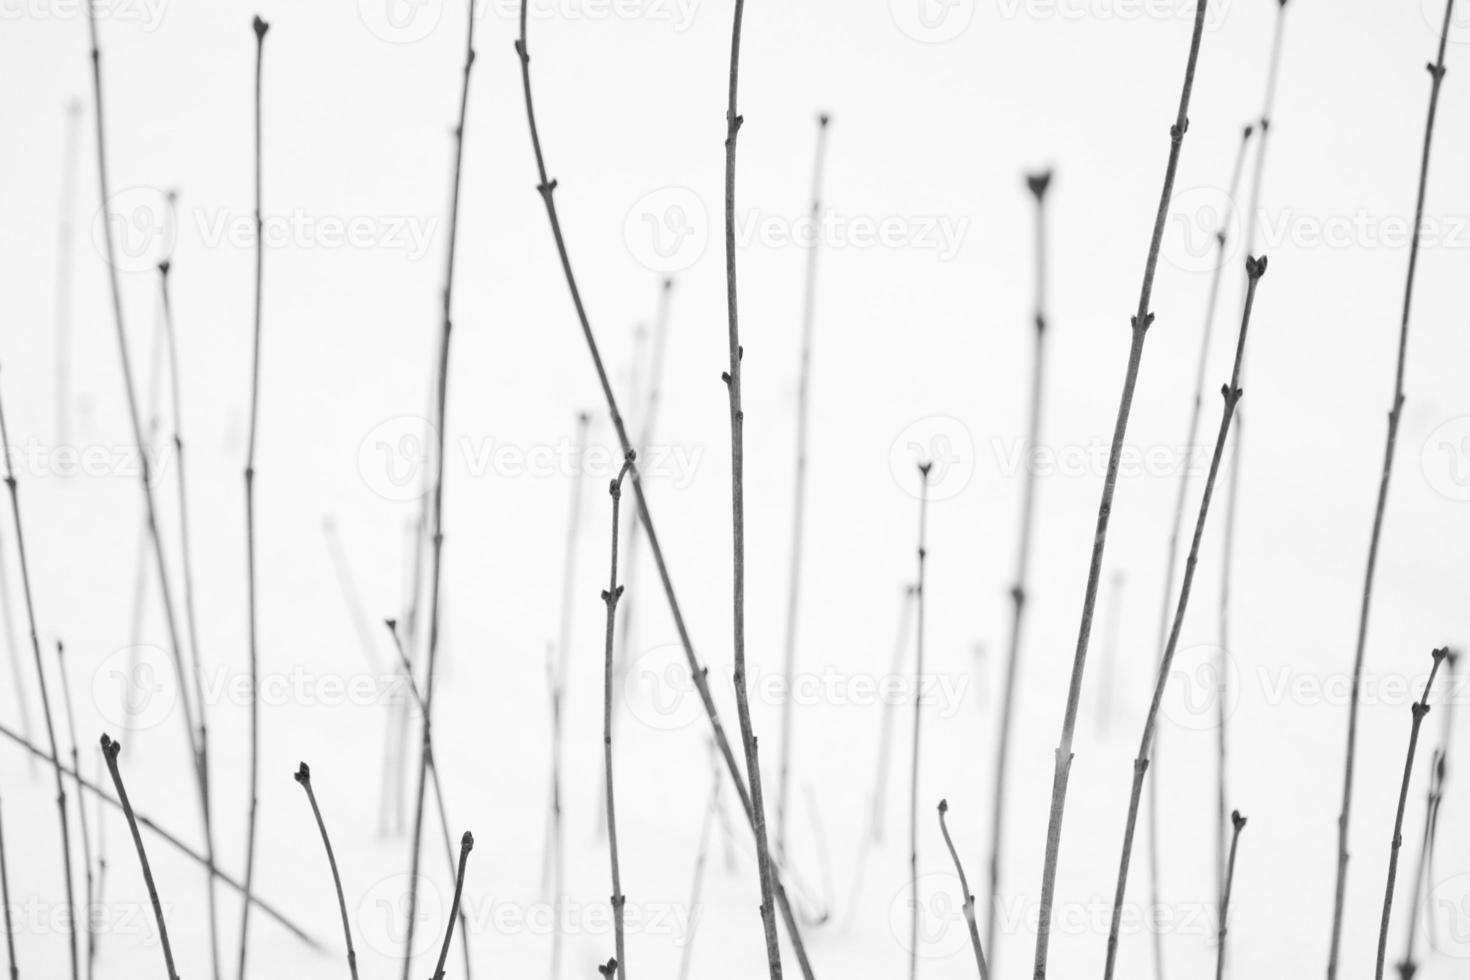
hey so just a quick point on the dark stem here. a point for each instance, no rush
(1419, 709)
(110, 750)
(1140, 324)
(798, 510)
(698, 673)
(76, 765)
(56, 767)
(610, 599)
(885, 732)
(1436, 75)
(1238, 822)
(968, 897)
(437, 506)
(467, 842)
(5, 895)
(303, 776)
(1037, 184)
(918, 719)
(1231, 392)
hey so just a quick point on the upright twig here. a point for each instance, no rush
(1140, 324)
(1231, 392)
(1418, 709)
(918, 726)
(303, 776)
(12, 642)
(65, 235)
(1222, 238)
(5, 895)
(253, 610)
(56, 767)
(1442, 773)
(969, 898)
(467, 842)
(732, 378)
(546, 188)
(798, 510)
(1409, 965)
(885, 730)
(1037, 184)
(190, 618)
(1395, 412)
(71, 730)
(701, 858)
(610, 598)
(1238, 822)
(110, 750)
(168, 837)
(437, 505)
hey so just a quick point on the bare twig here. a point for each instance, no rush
(169, 838)
(1140, 324)
(698, 673)
(190, 618)
(110, 750)
(467, 842)
(969, 898)
(65, 235)
(885, 731)
(1037, 184)
(76, 765)
(437, 501)
(1231, 392)
(25, 579)
(610, 598)
(1409, 965)
(918, 719)
(5, 895)
(1436, 75)
(303, 776)
(798, 511)
(1419, 709)
(696, 889)
(1238, 822)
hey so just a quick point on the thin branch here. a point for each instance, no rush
(437, 506)
(610, 598)
(696, 888)
(1231, 392)
(169, 838)
(190, 618)
(1436, 75)
(965, 889)
(798, 510)
(698, 673)
(885, 731)
(1419, 709)
(71, 729)
(5, 895)
(1140, 324)
(65, 262)
(25, 579)
(1037, 184)
(110, 750)
(303, 776)
(1238, 822)
(465, 845)
(918, 718)
(1409, 965)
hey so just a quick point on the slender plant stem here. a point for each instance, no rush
(1436, 74)
(1140, 324)
(546, 188)
(65, 235)
(12, 642)
(1231, 392)
(169, 838)
(1419, 709)
(1238, 822)
(260, 27)
(437, 507)
(1442, 772)
(56, 767)
(71, 730)
(110, 750)
(350, 594)
(885, 731)
(190, 617)
(467, 842)
(1037, 184)
(701, 858)
(303, 776)
(798, 510)
(918, 725)
(610, 599)
(5, 895)
(968, 897)
(1409, 965)
(732, 377)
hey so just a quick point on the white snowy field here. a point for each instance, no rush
(922, 347)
